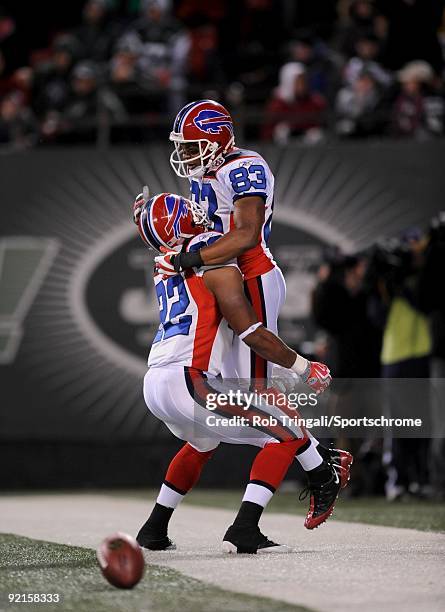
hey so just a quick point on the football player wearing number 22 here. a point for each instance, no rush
(200, 311)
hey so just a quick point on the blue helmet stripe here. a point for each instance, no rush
(147, 233)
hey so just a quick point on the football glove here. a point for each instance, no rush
(164, 264)
(139, 203)
(317, 376)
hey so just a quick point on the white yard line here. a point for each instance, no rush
(340, 566)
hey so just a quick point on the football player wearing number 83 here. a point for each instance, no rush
(200, 310)
(235, 187)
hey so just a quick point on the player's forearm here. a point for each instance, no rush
(228, 247)
(270, 347)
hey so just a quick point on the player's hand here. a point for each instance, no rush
(139, 203)
(164, 263)
(317, 376)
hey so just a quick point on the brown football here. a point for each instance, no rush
(121, 560)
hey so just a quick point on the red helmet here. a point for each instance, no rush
(168, 219)
(203, 134)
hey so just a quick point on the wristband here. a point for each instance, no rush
(250, 330)
(301, 366)
(182, 261)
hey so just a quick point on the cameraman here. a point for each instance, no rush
(405, 353)
(340, 306)
(432, 301)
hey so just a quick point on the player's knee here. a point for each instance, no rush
(202, 454)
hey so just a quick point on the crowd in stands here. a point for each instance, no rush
(287, 69)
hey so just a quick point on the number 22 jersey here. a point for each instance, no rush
(243, 173)
(192, 331)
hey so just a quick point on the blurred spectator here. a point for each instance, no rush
(97, 32)
(51, 85)
(203, 20)
(321, 63)
(359, 108)
(364, 20)
(18, 127)
(126, 77)
(87, 105)
(164, 52)
(365, 58)
(294, 110)
(418, 110)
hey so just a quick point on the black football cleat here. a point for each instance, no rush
(249, 540)
(323, 496)
(152, 540)
(343, 459)
(339, 457)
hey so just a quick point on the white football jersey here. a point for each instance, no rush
(243, 173)
(192, 331)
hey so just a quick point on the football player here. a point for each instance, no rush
(236, 189)
(200, 311)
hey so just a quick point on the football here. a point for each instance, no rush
(121, 560)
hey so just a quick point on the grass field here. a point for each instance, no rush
(33, 566)
(412, 514)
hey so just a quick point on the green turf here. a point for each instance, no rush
(413, 514)
(33, 566)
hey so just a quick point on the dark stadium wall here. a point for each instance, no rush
(78, 311)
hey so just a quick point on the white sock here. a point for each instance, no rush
(310, 458)
(169, 498)
(314, 441)
(257, 494)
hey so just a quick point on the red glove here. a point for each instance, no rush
(317, 376)
(164, 263)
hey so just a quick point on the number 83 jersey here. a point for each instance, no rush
(192, 331)
(243, 173)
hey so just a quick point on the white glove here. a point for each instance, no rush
(284, 379)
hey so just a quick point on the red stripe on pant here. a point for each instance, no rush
(253, 288)
(199, 388)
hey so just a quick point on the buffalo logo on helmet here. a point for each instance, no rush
(177, 209)
(213, 122)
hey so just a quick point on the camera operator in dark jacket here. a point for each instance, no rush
(432, 301)
(340, 305)
(397, 269)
